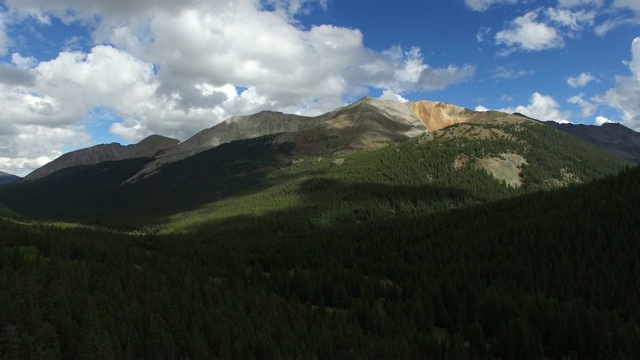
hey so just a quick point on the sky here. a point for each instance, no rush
(76, 73)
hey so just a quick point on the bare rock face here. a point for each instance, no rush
(505, 168)
(370, 121)
(152, 146)
(438, 115)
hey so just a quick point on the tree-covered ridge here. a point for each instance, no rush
(549, 274)
(412, 178)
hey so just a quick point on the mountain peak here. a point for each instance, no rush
(158, 139)
(365, 99)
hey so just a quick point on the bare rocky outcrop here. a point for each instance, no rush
(438, 115)
(506, 168)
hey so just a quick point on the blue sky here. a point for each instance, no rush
(74, 73)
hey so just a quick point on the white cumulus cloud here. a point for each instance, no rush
(27, 147)
(573, 20)
(390, 95)
(600, 120)
(580, 80)
(548, 27)
(588, 108)
(625, 96)
(540, 107)
(526, 33)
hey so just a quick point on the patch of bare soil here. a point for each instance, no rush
(506, 167)
(566, 178)
(460, 162)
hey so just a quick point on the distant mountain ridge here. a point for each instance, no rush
(6, 178)
(364, 125)
(613, 138)
(151, 146)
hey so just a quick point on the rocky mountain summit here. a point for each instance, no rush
(366, 124)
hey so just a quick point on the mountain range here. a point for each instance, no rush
(364, 125)
(432, 144)
(378, 230)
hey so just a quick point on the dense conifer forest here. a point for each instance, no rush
(392, 254)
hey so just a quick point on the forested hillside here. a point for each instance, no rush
(548, 274)
(432, 173)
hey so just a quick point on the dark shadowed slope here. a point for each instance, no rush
(547, 275)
